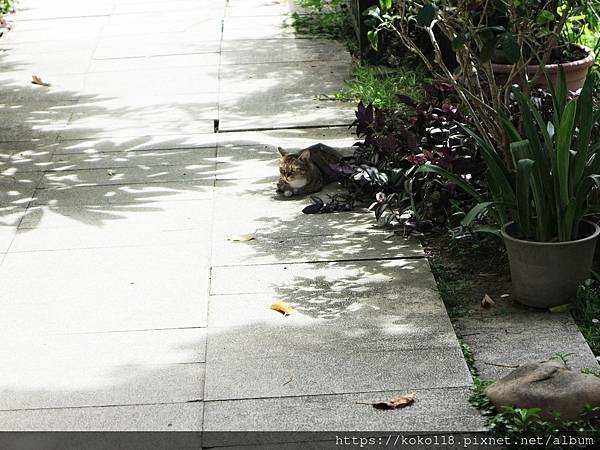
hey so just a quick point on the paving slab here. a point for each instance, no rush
(257, 27)
(60, 387)
(74, 62)
(269, 51)
(317, 77)
(183, 215)
(105, 289)
(40, 9)
(44, 30)
(24, 50)
(7, 235)
(262, 96)
(269, 110)
(17, 158)
(150, 63)
(158, 7)
(117, 199)
(137, 45)
(86, 237)
(96, 350)
(304, 281)
(164, 82)
(11, 216)
(159, 417)
(192, 158)
(257, 8)
(91, 146)
(159, 223)
(434, 410)
(171, 21)
(127, 175)
(149, 109)
(252, 206)
(398, 320)
(118, 194)
(330, 312)
(314, 373)
(131, 129)
(505, 339)
(16, 190)
(336, 247)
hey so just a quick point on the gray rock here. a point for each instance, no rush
(550, 386)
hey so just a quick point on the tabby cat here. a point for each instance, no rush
(308, 171)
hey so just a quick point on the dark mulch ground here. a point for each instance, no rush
(466, 269)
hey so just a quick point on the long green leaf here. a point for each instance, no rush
(560, 94)
(564, 134)
(549, 211)
(475, 212)
(501, 181)
(584, 119)
(510, 129)
(543, 199)
(579, 202)
(531, 132)
(524, 167)
(488, 229)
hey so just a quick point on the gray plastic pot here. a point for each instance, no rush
(546, 274)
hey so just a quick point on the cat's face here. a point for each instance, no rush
(293, 169)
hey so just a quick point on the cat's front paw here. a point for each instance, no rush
(288, 193)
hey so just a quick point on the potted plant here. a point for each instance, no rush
(540, 198)
(496, 44)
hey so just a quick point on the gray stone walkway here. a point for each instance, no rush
(125, 306)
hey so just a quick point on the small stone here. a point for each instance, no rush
(550, 386)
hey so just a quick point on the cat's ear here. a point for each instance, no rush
(281, 151)
(305, 155)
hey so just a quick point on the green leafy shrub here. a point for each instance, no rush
(6, 6)
(583, 27)
(324, 18)
(587, 314)
(545, 186)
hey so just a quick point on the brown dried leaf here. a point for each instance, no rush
(395, 403)
(241, 237)
(487, 301)
(283, 308)
(37, 80)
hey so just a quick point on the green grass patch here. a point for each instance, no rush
(325, 19)
(454, 290)
(587, 314)
(382, 86)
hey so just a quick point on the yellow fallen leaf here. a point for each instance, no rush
(487, 301)
(241, 237)
(37, 80)
(283, 308)
(561, 308)
(395, 403)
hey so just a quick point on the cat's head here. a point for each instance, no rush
(294, 168)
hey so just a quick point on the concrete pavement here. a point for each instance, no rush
(125, 306)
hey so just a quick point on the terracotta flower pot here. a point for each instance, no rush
(546, 274)
(575, 71)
